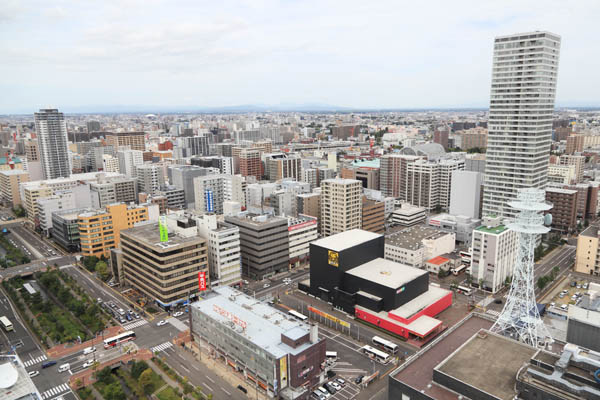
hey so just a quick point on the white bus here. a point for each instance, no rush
(331, 355)
(457, 271)
(296, 314)
(385, 344)
(377, 354)
(115, 340)
(6, 324)
(465, 290)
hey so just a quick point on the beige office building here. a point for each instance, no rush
(9, 186)
(586, 260)
(341, 205)
(135, 140)
(165, 272)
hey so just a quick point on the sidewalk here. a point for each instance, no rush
(220, 368)
(65, 349)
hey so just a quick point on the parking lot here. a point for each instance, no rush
(571, 293)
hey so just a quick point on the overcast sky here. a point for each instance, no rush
(371, 54)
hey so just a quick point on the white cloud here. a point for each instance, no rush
(353, 53)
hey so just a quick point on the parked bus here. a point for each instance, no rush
(296, 314)
(465, 257)
(115, 340)
(331, 355)
(465, 290)
(385, 344)
(6, 324)
(457, 271)
(377, 354)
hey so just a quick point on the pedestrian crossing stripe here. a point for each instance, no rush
(135, 324)
(55, 390)
(34, 361)
(492, 312)
(162, 347)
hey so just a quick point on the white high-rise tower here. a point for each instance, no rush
(51, 130)
(520, 120)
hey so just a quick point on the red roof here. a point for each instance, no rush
(439, 260)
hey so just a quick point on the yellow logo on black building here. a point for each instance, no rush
(334, 258)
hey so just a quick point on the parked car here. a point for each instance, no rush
(330, 388)
(161, 323)
(266, 285)
(359, 379)
(33, 373)
(324, 392)
(243, 389)
(585, 286)
(178, 314)
(341, 381)
(336, 385)
(99, 300)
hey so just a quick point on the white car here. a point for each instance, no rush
(335, 385)
(33, 373)
(161, 323)
(88, 363)
(266, 286)
(178, 314)
(89, 350)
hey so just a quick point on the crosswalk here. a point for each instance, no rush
(135, 324)
(493, 312)
(34, 361)
(161, 347)
(55, 391)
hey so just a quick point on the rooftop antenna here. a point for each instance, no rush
(520, 318)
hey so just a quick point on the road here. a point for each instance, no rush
(562, 258)
(28, 269)
(31, 239)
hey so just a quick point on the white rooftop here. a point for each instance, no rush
(581, 314)
(345, 240)
(387, 273)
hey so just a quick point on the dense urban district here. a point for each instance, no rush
(427, 254)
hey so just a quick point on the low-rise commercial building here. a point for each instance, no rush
(413, 246)
(65, 229)
(408, 215)
(164, 271)
(280, 354)
(461, 226)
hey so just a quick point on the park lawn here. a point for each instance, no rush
(168, 393)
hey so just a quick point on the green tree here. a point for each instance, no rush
(104, 375)
(542, 282)
(90, 263)
(102, 270)
(138, 367)
(114, 391)
(146, 381)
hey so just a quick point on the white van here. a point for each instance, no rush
(64, 367)
(89, 350)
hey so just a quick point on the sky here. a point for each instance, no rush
(85, 55)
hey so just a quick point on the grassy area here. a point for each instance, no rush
(14, 255)
(168, 393)
(85, 393)
(85, 309)
(196, 392)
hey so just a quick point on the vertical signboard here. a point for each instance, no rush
(209, 201)
(162, 227)
(202, 281)
(283, 374)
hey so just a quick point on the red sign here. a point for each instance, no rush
(202, 281)
(232, 317)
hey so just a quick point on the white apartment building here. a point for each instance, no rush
(76, 197)
(302, 230)
(235, 189)
(341, 205)
(415, 245)
(428, 183)
(408, 215)
(51, 131)
(150, 178)
(209, 193)
(494, 251)
(223, 245)
(524, 74)
(110, 163)
(310, 176)
(128, 160)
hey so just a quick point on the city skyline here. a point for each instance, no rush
(134, 57)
